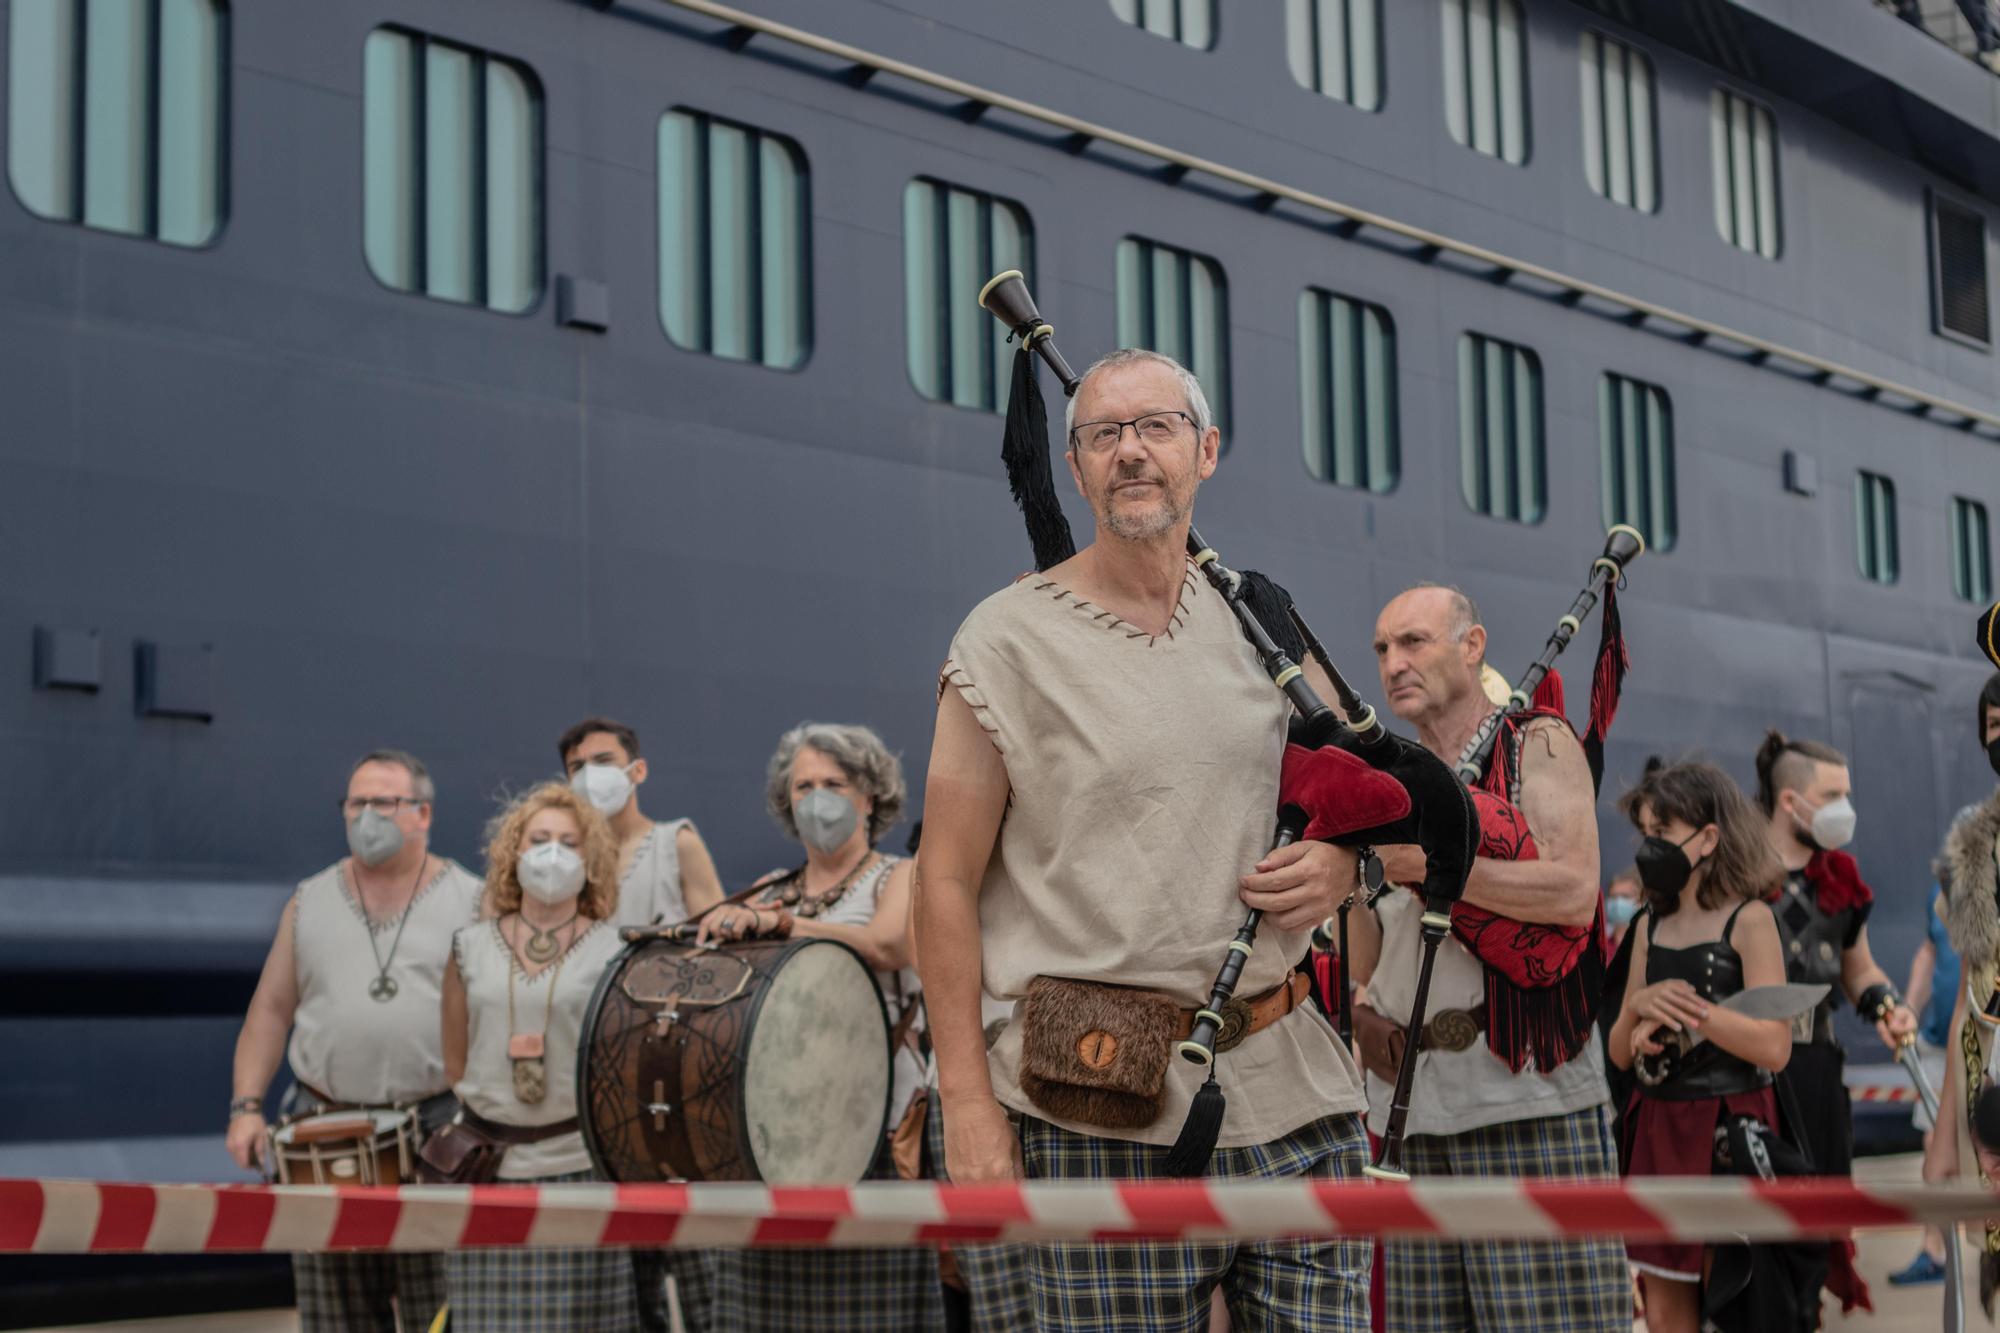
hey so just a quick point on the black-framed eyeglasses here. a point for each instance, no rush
(381, 805)
(1153, 428)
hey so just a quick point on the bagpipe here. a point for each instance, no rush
(1350, 781)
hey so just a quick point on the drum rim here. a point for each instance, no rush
(889, 1083)
(376, 1115)
(587, 1044)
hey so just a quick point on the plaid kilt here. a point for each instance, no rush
(541, 1291)
(829, 1290)
(350, 1293)
(1269, 1285)
(1572, 1286)
(996, 1276)
(693, 1272)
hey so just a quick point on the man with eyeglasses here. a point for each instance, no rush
(1097, 818)
(355, 977)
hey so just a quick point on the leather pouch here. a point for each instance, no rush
(458, 1154)
(1097, 1054)
(906, 1140)
(1378, 1043)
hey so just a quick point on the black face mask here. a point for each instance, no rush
(1993, 754)
(1663, 867)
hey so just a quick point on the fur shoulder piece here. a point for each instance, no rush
(1972, 918)
(1837, 883)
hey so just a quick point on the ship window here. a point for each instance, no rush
(1875, 527)
(1335, 47)
(1958, 270)
(734, 273)
(1190, 22)
(1486, 76)
(1743, 143)
(114, 114)
(1501, 457)
(953, 241)
(1176, 303)
(1618, 108)
(1971, 562)
(1635, 435)
(1347, 388)
(452, 152)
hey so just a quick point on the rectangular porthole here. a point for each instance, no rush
(1618, 117)
(734, 271)
(1875, 527)
(1486, 76)
(1971, 558)
(1635, 431)
(1743, 156)
(452, 171)
(953, 241)
(1958, 271)
(1335, 48)
(115, 114)
(1189, 22)
(1347, 391)
(1502, 464)
(1176, 302)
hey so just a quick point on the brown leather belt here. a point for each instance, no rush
(514, 1135)
(1241, 1016)
(1454, 1029)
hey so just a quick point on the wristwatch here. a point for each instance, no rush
(245, 1106)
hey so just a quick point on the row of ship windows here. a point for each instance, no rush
(453, 209)
(116, 120)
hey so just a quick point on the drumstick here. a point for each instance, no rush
(685, 930)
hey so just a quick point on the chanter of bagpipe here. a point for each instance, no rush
(1622, 545)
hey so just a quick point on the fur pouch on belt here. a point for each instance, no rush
(1095, 1053)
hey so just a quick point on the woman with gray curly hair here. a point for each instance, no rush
(837, 789)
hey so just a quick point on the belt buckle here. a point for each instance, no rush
(1235, 1024)
(1452, 1030)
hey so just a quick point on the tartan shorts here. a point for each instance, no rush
(1269, 1285)
(1571, 1286)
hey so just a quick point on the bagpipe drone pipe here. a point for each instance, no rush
(1350, 782)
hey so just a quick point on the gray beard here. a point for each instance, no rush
(1134, 528)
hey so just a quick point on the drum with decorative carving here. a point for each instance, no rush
(760, 1060)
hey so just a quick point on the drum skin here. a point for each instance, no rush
(763, 1060)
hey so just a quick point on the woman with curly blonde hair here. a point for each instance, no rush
(514, 996)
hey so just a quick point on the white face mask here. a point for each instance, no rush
(550, 872)
(1832, 826)
(604, 786)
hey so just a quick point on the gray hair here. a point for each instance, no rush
(1197, 401)
(1464, 611)
(860, 754)
(421, 785)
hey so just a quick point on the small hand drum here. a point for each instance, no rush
(346, 1148)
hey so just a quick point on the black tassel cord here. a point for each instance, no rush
(1024, 450)
(1189, 1157)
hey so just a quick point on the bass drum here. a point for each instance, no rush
(763, 1060)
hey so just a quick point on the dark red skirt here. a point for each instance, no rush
(1677, 1138)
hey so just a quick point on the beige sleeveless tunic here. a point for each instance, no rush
(485, 963)
(347, 1045)
(1472, 1088)
(651, 888)
(1144, 776)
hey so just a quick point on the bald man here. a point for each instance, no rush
(1472, 1114)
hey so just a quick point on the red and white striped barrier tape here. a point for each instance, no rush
(86, 1217)
(1883, 1093)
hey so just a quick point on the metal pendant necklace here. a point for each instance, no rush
(542, 945)
(383, 988)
